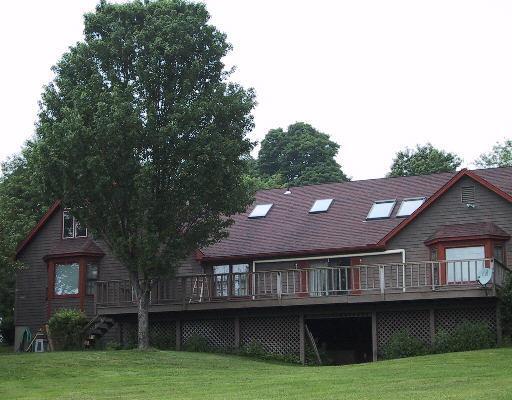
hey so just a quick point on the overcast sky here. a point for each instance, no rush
(376, 75)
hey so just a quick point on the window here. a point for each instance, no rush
(321, 206)
(468, 195)
(240, 272)
(220, 279)
(260, 211)
(80, 231)
(464, 263)
(499, 254)
(408, 206)
(234, 285)
(71, 228)
(67, 225)
(67, 277)
(381, 209)
(92, 277)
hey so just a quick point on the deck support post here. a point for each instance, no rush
(302, 347)
(374, 335)
(432, 318)
(237, 332)
(178, 335)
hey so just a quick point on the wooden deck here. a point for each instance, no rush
(426, 280)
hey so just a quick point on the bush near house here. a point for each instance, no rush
(67, 329)
(402, 344)
(505, 295)
(7, 330)
(465, 337)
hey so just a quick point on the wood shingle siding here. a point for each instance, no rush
(449, 210)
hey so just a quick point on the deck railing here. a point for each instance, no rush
(309, 282)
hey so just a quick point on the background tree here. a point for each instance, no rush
(22, 204)
(500, 156)
(143, 138)
(256, 181)
(302, 155)
(423, 160)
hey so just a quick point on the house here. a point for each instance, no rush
(343, 265)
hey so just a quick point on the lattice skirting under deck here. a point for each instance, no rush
(416, 323)
(278, 335)
(219, 333)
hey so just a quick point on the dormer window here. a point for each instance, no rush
(71, 227)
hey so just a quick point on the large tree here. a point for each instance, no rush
(499, 156)
(423, 160)
(143, 138)
(301, 155)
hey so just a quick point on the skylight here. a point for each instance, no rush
(321, 206)
(408, 206)
(260, 211)
(381, 209)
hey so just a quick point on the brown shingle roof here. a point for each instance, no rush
(290, 229)
(471, 229)
(78, 246)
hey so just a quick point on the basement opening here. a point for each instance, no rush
(339, 341)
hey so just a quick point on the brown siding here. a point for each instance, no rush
(31, 308)
(448, 210)
(32, 279)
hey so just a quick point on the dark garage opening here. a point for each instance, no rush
(345, 340)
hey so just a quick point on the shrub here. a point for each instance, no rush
(162, 340)
(402, 344)
(67, 329)
(7, 330)
(256, 350)
(505, 295)
(465, 337)
(197, 343)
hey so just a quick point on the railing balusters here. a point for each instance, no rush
(321, 281)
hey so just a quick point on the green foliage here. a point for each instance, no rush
(255, 181)
(505, 296)
(142, 135)
(402, 344)
(500, 156)
(7, 330)
(423, 160)
(465, 337)
(162, 340)
(255, 349)
(22, 203)
(67, 329)
(197, 343)
(302, 155)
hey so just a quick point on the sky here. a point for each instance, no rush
(377, 76)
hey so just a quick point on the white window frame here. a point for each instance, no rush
(391, 201)
(314, 208)
(74, 227)
(399, 212)
(261, 210)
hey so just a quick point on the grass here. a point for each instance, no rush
(181, 375)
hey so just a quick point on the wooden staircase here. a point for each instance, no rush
(96, 329)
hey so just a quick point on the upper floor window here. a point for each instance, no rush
(71, 227)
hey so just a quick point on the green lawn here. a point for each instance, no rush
(180, 375)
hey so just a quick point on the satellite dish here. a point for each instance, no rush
(484, 276)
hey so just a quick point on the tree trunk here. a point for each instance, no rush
(143, 319)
